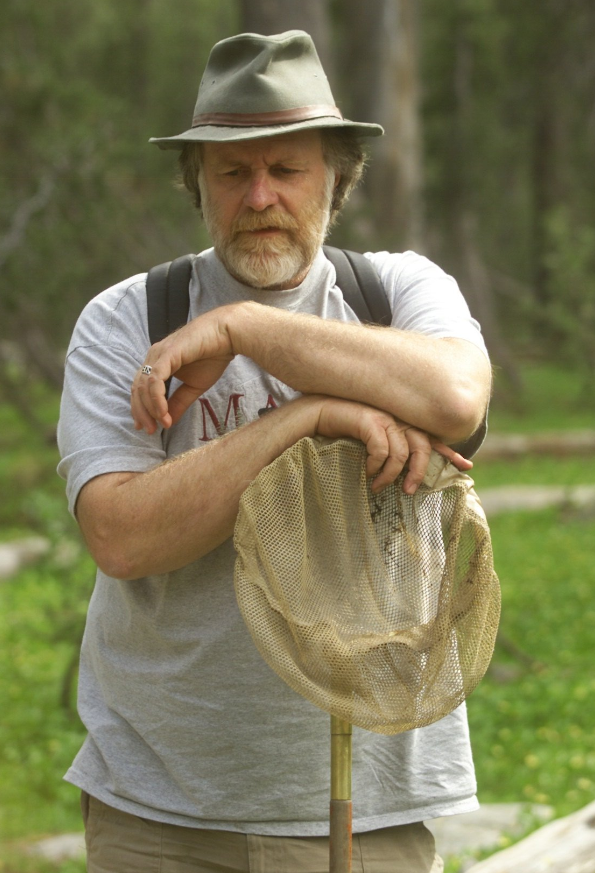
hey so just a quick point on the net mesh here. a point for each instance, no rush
(380, 609)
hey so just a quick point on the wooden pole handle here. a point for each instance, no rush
(340, 811)
(340, 837)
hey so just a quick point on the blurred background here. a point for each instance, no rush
(489, 109)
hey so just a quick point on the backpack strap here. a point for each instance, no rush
(361, 285)
(168, 297)
(168, 303)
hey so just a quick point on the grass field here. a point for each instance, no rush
(532, 718)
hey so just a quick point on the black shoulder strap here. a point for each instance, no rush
(361, 285)
(168, 297)
(168, 302)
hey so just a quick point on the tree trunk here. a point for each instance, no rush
(276, 16)
(477, 287)
(380, 71)
(545, 158)
(463, 232)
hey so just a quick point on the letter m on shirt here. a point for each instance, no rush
(210, 421)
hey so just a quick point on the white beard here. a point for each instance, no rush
(275, 262)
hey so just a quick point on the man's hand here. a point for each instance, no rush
(390, 443)
(197, 354)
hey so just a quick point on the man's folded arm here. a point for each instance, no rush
(141, 524)
(440, 385)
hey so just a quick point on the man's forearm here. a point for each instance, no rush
(439, 385)
(144, 524)
(141, 524)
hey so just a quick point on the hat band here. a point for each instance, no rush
(264, 119)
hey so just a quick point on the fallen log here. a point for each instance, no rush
(566, 845)
(508, 498)
(563, 443)
(16, 555)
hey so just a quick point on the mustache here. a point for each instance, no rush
(263, 221)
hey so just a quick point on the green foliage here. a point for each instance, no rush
(44, 611)
(28, 459)
(532, 717)
(14, 860)
(532, 470)
(507, 145)
(85, 201)
(571, 309)
(552, 399)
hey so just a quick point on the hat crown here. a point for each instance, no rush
(256, 86)
(250, 73)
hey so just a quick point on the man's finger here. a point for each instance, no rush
(460, 462)
(148, 403)
(152, 395)
(398, 452)
(181, 400)
(420, 449)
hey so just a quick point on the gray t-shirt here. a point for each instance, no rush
(186, 723)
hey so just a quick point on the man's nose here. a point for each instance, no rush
(261, 191)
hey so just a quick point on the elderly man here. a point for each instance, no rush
(182, 768)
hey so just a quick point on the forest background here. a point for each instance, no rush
(489, 108)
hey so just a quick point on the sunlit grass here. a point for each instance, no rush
(551, 399)
(533, 717)
(15, 859)
(533, 470)
(43, 611)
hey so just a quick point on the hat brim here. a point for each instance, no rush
(215, 133)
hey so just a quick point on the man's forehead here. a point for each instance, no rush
(304, 145)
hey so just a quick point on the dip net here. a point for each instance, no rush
(380, 609)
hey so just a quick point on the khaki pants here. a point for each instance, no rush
(122, 843)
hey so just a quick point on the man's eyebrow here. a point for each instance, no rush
(295, 160)
(227, 162)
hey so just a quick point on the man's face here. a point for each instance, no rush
(266, 206)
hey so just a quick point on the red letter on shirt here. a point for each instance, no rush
(233, 402)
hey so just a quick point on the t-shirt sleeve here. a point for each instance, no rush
(424, 298)
(96, 433)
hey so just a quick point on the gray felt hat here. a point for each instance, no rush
(255, 86)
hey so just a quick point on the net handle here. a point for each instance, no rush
(341, 807)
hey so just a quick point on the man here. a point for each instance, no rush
(182, 768)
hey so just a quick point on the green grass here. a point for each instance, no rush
(552, 399)
(15, 859)
(533, 470)
(532, 718)
(43, 611)
(28, 459)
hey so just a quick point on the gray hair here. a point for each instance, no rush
(343, 152)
